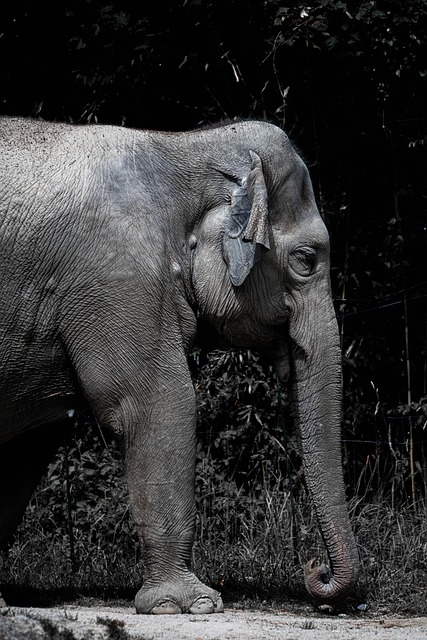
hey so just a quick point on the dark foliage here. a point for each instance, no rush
(347, 80)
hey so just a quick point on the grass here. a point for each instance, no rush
(393, 547)
(252, 539)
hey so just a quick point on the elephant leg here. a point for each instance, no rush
(153, 408)
(160, 469)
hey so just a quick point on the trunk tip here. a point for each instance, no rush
(326, 587)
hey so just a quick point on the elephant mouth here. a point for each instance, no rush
(277, 354)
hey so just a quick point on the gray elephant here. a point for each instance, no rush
(115, 243)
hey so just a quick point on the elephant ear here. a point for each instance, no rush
(246, 235)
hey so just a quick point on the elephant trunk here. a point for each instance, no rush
(316, 384)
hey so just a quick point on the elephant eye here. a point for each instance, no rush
(303, 260)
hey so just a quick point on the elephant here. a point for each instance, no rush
(119, 247)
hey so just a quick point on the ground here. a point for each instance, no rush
(73, 622)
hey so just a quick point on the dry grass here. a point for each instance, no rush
(251, 540)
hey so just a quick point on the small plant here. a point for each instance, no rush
(308, 625)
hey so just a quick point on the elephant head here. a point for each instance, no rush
(261, 276)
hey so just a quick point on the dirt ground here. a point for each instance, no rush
(72, 622)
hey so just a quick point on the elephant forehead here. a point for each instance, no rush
(310, 231)
(291, 195)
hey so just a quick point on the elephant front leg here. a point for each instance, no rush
(160, 470)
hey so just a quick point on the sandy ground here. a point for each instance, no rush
(121, 623)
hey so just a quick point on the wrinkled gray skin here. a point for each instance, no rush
(114, 244)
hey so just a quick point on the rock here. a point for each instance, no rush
(20, 627)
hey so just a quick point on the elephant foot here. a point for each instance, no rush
(186, 596)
